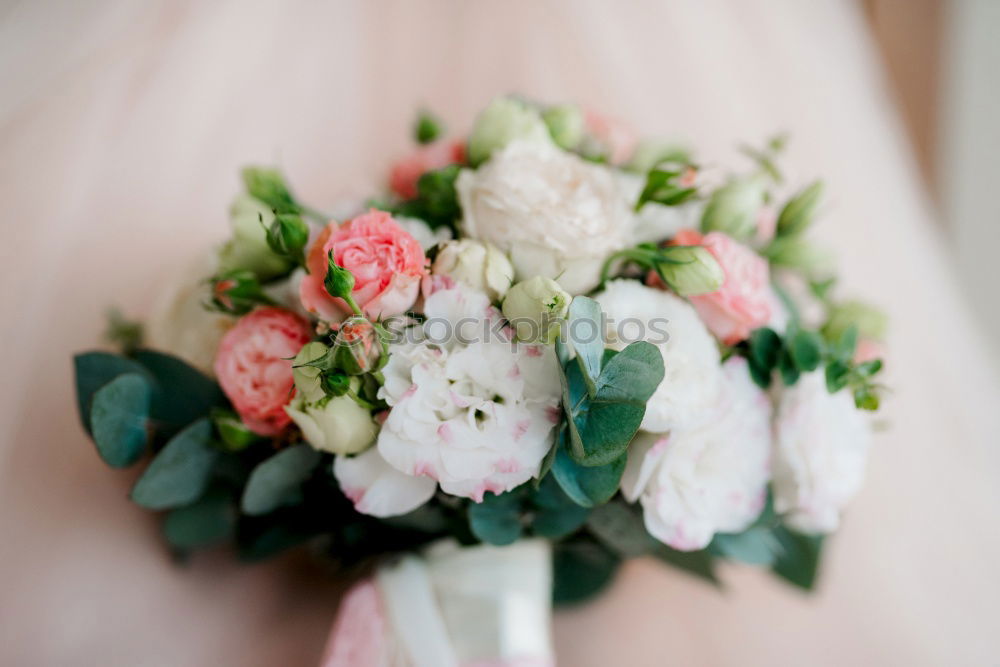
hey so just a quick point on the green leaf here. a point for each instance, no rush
(632, 375)
(118, 416)
(427, 128)
(754, 546)
(869, 368)
(765, 347)
(662, 187)
(837, 375)
(180, 472)
(806, 349)
(601, 432)
(699, 563)
(94, 370)
(581, 569)
(621, 529)
(437, 200)
(789, 371)
(798, 560)
(183, 394)
(268, 185)
(209, 521)
(277, 480)
(587, 338)
(587, 486)
(797, 214)
(497, 519)
(556, 515)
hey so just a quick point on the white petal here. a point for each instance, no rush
(377, 488)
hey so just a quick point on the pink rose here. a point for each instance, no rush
(386, 261)
(406, 172)
(254, 368)
(617, 137)
(744, 301)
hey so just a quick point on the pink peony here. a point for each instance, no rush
(254, 368)
(617, 137)
(744, 301)
(386, 261)
(406, 172)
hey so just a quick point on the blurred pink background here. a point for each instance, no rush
(122, 127)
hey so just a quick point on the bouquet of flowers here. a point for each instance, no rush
(547, 333)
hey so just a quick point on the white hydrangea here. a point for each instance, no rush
(471, 413)
(692, 373)
(711, 479)
(821, 447)
(557, 215)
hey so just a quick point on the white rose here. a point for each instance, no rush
(474, 416)
(821, 447)
(181, 325)
(711, 479)
(692, 373)
(422, 232)
(477, 264)
(555, 214)
(338, 425)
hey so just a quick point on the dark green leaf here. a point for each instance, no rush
(798, 559)
(754, 546)
(437, 200)
(806, 349)
(789, 371)
(699, 563)
(663, 187)
(183, 394)
(556, 515)
(797, 214)
(632, 375)
(837, 373)
(276, 481)
(588, 485)
(93, 371)
(847, 344)
(604, 431)
(581, 570)
(118, 417)
(497, 519)
(765, 347)
(427, 128)
(209, 521)
(869, 368)
(621, 529)
(180, 472)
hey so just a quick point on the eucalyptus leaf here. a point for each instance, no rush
(497, 519)
(93, 370)
(556, 515)
(621, 529)
(209, 521)
(798, 559)
(276, 481)
(118, 416)
(754, 546)
(581, 569)
(185, 393)
(587, 486)
(181, 470)
(806, 350)
(587, 338)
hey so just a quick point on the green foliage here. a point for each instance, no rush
(118, 416)
(287, 237)
(268, 185)
(93, 370)
(587, 486)
(798, 213)
(556, 514)
(232, 431)
(497, 519)
(687, 270)
(181, 470)
(797, 560)
(237, 292)
(427, 127)
(436, 202)
(581, 569)
(209, 521)
(277, 480)
(183, 392)
(125, 333)
(664, 186)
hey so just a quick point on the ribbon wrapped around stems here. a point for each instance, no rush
(453, 606)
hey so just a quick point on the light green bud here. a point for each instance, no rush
(734, 207)
(505, 120)
(248, 248)
(793, 252)
(338, 425)
(477, 264)
(690, 270)
(798, 213)
(566, 125)
(536, 308)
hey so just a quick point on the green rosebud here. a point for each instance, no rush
(238, 292)
(307, 378)
(427, 128)
(536, 308)
(287, 236)
(566, 125)
(357, 348)
(689, 270)
(248, 249)
(232, 431)
(506, 119)
(339, 282)
(268, 185)
(734, 207)
(870, 321)
(792, 252)
(797, 214)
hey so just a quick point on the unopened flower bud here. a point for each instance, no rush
(427, 128)
(248, 248)
(268, 186)
(357, 347)
(339, 425)
(238, 292)
(733, 208)
(689, 270)
(566, 124)
(477, 264)
(339, 282)
(798, 213)
(288, 235)
(505, 120)
(536, 308)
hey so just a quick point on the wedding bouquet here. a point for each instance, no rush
(547, 332)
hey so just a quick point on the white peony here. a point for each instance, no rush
(472, 413)
(692, 374)
(555, 214)
(821, 447)
(711, 479)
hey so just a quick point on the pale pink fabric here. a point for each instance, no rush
(122, 125)
(358, 636)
